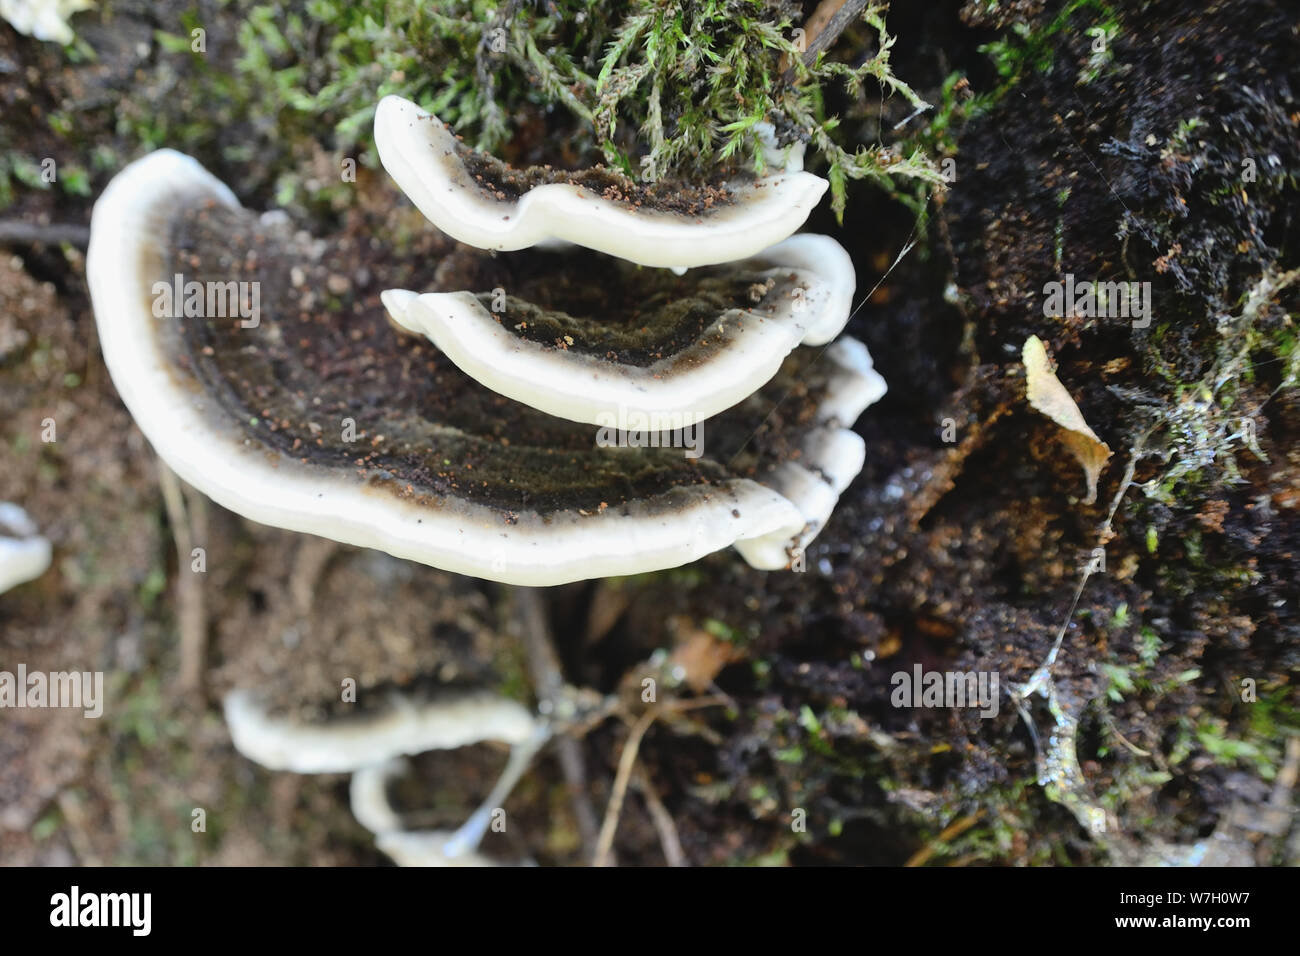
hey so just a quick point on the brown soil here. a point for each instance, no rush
(503, 182)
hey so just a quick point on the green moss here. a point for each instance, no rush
(658, 89)
(1010, 813)
(661, 89)
(1213, 736)
(723, 631)
(1028, 48)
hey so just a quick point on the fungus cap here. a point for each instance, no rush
(368, 795)
(743, 319)
(830, 454)
(433, 168)
(406, 727)
(43, 19)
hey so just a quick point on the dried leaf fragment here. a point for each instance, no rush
(1048, 396)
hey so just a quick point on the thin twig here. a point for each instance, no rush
(189, 592)
(548, 684)
(308, 567)
(17, 231)
(845, 15)
(661, 818)
(1104, 535)
(951, 831)
(1060, 764)
(626, 762)
(1132, 747)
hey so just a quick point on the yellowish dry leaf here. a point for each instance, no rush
(1048, 396)
(701, 656)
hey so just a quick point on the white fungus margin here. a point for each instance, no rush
(424, 157)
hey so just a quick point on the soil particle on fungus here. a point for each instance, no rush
(672, 197)
(635, 316)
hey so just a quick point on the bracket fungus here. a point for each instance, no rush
(484, 203)
(24, 553)
(372, 746)
(648, 345)
(326, 421)
(468, 445)
(407, 726)
(43, 19)
(368, 794)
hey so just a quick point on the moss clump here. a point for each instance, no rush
(275, 97)
(660, 90)
(665, 89)
(1032, 47)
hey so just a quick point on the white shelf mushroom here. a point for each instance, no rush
(24, 553)
(472, 460)
(372, 748)
(434, 169)
(452, 476)
(798, 292)
(407, 727)
(43, 19)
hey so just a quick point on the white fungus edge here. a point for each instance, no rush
(368, 796)
(833, 455)
(345, 745)
(24, 554)
(421, 154)
(679, 390)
